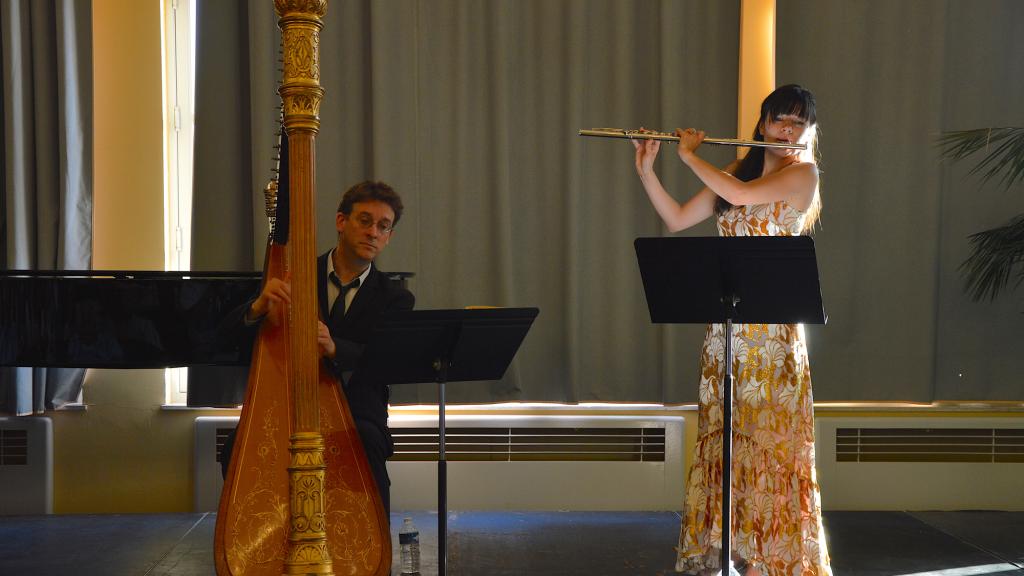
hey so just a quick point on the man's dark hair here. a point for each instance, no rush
(369, 191)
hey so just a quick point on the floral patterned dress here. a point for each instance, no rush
(776, 511)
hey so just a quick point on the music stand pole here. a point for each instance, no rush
(441, 366)
(731, 302)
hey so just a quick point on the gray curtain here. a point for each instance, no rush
(889, 77)
(470, 109)
(47, 165)
(229, 169)
(222, 184)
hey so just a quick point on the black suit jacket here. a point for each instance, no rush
(367, 398)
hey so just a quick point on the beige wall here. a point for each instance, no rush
(125, 454)
(757, 62)
(129, 180)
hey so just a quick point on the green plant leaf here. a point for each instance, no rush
(997, 255)
(996, 260)
(1003, 150)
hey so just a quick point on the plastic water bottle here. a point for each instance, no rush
(409, 540)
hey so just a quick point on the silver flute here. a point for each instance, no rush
(670, 137)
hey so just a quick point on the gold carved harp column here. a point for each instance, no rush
(301, 22)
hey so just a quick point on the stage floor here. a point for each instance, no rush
(517, 543)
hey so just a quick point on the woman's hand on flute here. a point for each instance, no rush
(646, 153)
(689, 140)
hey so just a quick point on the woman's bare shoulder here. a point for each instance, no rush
(809, 167)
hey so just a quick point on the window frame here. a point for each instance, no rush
(178, 29)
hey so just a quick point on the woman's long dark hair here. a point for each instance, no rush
(790, 99)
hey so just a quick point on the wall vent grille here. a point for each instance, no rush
(990, 445)
(13, 447)
(222, 437)
(509, 444)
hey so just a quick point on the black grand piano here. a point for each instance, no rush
(134, 319)
(121, 318)
(131, 319)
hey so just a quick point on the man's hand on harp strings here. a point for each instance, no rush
(276, 294)
(324, 341)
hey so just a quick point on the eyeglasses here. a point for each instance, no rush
(365, 221)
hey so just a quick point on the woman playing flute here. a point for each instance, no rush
(776, 517)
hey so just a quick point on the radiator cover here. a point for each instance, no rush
(509, 462)
(26, 465)
(920, 463)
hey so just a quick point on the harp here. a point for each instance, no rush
(299, 496)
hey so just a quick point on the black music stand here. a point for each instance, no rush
(419, 346)
(753, 279)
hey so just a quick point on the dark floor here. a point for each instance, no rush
(515, 543)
